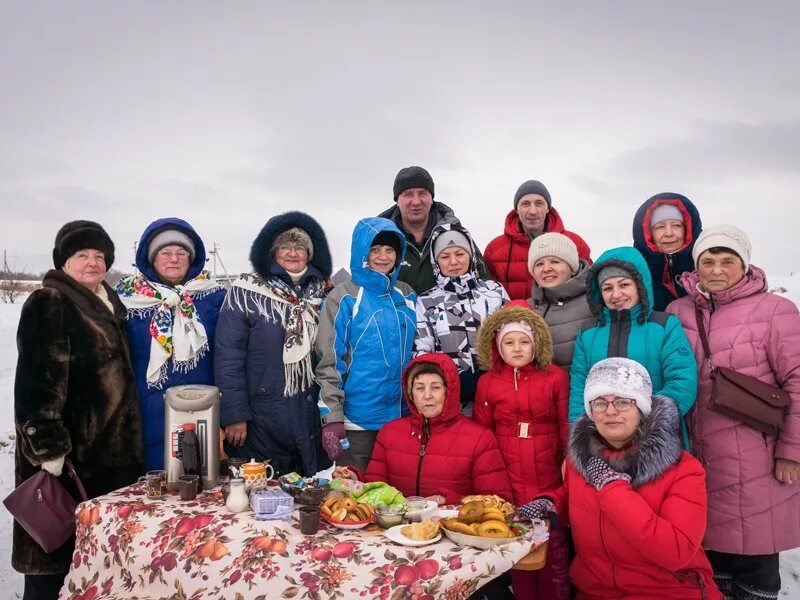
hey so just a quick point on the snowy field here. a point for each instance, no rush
(11, 582)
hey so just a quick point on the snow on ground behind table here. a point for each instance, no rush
(11, 582)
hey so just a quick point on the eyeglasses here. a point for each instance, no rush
(620, 404)
(179, 254)
(297, 249)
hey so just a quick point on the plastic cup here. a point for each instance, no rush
(187, 484)
(309, 519)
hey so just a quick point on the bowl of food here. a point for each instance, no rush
(389, 516)
(346, 513)
(305, 491)
(482, 525)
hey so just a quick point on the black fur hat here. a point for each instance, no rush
(80, 235)
(261, 250)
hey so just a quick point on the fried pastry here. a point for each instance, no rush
(424, 530)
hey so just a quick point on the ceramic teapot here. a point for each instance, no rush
(256, 474)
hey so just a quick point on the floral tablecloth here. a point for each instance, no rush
(129, 546)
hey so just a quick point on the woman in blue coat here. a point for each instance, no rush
(366, 339)
(173, 305)
(620, 294)
(264, 349)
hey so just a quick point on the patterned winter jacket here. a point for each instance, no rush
(665, 269)
(449, 455)
(507, 254)
(365, 339)
(448, 315)
(525, 408)
(637, 540)
(565, 310)
(758, 334)
(653, 339)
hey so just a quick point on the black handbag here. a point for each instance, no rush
(44, 509)
(744, 398)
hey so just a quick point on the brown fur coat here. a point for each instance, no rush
(74, 395)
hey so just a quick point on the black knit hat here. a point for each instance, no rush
(388, 238)
(532, 187)
(80, 235)
(412, 177)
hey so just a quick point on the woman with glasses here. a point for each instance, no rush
(620, 295)
(635, 500)
(264, 360)
(173, 304)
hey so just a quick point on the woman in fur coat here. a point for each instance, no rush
(263, 355)
(635, 500)
(74, 393)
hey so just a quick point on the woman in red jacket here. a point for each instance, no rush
(523, 398)
(436, 451)
(635, 500)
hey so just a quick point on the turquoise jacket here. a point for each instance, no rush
(653, 339)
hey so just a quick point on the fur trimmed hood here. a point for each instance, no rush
(518, 310)
(658, 445)
(260, 251)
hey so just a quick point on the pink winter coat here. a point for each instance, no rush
(756, 333)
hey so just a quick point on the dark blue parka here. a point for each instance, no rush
(137, 327)
(665, 269)
(249, 361)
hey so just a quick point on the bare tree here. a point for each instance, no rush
(11, 284)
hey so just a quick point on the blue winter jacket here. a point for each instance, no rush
(366, 337)
(653, 339)
(137, 327)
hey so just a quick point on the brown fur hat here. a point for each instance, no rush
(518, 310)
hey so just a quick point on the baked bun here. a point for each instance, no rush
(494, 529)
(470, 512)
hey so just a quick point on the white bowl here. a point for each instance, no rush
(476, 541)
(396, 535)
(416, 515)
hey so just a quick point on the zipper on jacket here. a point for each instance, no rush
(516, 373)
(426, 431)
(608, 555)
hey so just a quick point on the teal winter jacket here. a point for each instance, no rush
(653, 339)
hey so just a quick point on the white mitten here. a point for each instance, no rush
(55, 466)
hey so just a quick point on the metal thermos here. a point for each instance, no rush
(197, 406)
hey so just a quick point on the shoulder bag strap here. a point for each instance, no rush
(701, 328)
(76, 479)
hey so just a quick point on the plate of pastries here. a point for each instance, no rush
(482, 522)
(421, 533)
(346, 513)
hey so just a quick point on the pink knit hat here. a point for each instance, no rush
(514, 326)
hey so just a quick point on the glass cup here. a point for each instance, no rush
(152, 482)
(187, 484)
(163, 475)
(309, 519)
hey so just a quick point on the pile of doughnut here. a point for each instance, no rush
(346, 510)
(484, 516)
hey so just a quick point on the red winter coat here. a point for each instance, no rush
(506, 256)
(449, 455)
(525, 408)
(638, 540)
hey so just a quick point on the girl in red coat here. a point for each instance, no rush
(436, 452)
(635, 500)
(523, 398)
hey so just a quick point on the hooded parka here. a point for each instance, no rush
(74, 396)
(137, 327)
(416, 269)
(448, 455)
(666, 269)
(565, 310)
(526, 408)
(506, 255)
(639, 540)
(758, 334)
(653, 339)
(249, 355)
(366, 336)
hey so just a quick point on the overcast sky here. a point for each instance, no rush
(226, 113)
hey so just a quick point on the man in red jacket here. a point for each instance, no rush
(507, 255)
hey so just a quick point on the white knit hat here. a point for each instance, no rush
(621, 377)
(554, 244)
(663, 212)
(723, 236)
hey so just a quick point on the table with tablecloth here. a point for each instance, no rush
(129, 546)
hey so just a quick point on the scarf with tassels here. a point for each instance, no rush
(277, 302)
(175, 328)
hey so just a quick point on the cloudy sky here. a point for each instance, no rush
(226, 113)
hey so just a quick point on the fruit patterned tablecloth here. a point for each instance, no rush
(129, 546)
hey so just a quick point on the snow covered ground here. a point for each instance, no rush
(11, 582)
